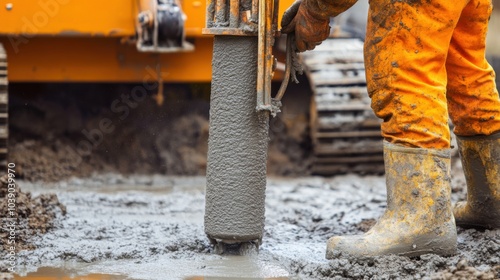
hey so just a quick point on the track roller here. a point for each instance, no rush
(345, 133)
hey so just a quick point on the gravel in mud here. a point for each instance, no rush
(147, 227)
(32, 217)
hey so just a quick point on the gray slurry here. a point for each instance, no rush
(152, 228)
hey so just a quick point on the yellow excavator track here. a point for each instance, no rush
(4, 109)
(345, 132)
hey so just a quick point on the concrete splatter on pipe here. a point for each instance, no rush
(237, 148)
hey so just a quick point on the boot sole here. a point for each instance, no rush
(410, 254)
(442, 245)
(417, 253)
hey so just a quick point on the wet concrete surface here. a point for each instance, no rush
(151, 227)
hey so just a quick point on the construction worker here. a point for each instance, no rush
(424, 60)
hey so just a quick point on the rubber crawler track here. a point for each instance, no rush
(4, 109)
(345, 132)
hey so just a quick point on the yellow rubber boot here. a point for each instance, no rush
(481, 163)
(418, 219)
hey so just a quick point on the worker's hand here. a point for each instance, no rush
(309, 30)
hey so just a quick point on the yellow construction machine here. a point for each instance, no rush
(162, 41)
(150, 42)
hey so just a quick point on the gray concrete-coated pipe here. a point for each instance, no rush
(237, 145)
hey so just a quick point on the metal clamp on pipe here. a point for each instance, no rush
(232, 19)
(265, 59)
(268, 17)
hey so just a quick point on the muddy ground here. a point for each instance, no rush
(151, 227)
(121, 217)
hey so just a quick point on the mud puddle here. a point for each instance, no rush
(202, 266)
(50, 273)
(216, 268)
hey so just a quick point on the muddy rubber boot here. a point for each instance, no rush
(481, 163)
(418, 219)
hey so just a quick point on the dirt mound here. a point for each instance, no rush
(178, 150)
(38, 160)
(33, 216)
(59, 131)
(57, 134)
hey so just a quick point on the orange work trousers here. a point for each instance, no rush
(425, 61)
